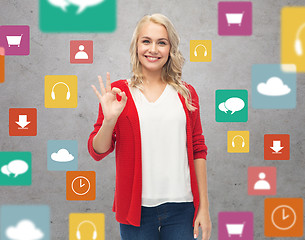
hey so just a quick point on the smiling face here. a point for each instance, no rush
(153, 47)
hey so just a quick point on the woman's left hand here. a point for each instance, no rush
(203, 220)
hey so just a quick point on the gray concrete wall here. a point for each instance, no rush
(233, 58)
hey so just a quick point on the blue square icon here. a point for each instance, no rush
(25, 222)
(273, 86)
(62, 155)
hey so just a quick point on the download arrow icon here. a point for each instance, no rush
(23, 121)
(276, 147)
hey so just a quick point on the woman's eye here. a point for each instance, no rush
(145, 41)
(162, 43)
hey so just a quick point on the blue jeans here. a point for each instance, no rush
(168, 221)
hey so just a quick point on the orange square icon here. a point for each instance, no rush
(80, 185)
(22, 121)
(276, 147)
(284, 217)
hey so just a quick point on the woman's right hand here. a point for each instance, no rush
(112, 108)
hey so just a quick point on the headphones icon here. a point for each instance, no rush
(297, 44)
(53, 93)
(86, 221)
(243, 143)
(205, 50)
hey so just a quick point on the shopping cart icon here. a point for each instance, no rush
(235, 229)
(234, 18)
(14, 40)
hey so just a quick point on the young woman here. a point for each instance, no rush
(153, 122)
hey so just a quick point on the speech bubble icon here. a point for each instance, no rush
(5, 170)
(83, 4)
(17, 167)
(59, 3)
(222, 107)
(234, 104)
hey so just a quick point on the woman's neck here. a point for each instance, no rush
(152, 78)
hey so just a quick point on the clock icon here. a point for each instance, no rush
(80, 185)
(283, 217)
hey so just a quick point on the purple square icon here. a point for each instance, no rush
(15, 39)
(235, 18)
(235, 225)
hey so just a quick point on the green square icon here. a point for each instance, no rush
(16, 168)
(77, 15)
(231, 105)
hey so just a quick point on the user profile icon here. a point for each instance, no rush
(81, 52)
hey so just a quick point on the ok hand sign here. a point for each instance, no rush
(112, 108)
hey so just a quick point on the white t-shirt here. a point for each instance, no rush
(165, 169)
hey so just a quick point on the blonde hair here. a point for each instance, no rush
(172, 70)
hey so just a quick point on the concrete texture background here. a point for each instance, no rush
(230, 68)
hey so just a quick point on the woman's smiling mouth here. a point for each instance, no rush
(152, 59)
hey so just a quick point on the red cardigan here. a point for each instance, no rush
(127, 138)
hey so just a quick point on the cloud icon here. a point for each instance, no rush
(62, 155)
(273, 87)
(25, 230)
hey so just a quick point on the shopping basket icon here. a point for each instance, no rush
(235, 229)
(234, 18)
(14, 40)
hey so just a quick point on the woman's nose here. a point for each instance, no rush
(153, 48)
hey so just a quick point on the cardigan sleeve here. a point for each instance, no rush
(99, 156)
(199, 147)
